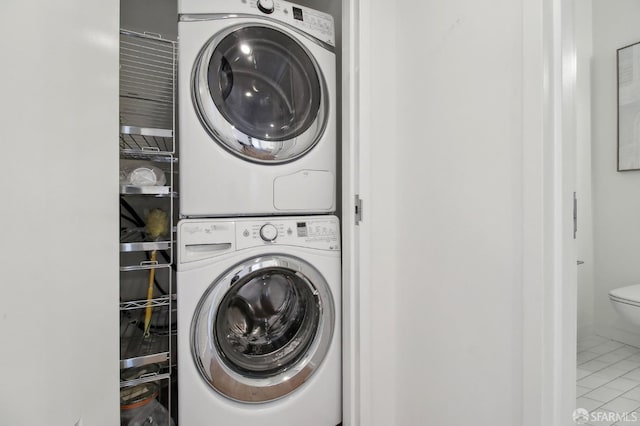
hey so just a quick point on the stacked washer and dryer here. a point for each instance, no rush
(259, 276)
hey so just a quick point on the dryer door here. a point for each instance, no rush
(263, 328)
(260, 94)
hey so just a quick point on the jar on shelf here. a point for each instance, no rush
(139, 406)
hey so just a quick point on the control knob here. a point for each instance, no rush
(266, 6)
(268, 232)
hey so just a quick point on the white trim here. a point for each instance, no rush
(549, 262)
(535, 97)
(567, 304)
(351, 365)
(567, 285)
(362, 99)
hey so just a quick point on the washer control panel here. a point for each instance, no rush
(200, 239)
(318, 24)
(266, 6)
(268, 232)
(318, 232)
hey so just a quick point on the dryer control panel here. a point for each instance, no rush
(318, 24)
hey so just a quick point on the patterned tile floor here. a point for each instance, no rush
(608, 382)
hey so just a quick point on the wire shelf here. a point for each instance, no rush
(150, 145)
(158, 191)
(136, 349)
(141, 304)
(147, 92)
(135, 239)
(147, 123)
(146, 379)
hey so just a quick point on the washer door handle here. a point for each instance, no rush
(209, 247)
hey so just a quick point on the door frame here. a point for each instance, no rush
(549, 271)
(355, 261)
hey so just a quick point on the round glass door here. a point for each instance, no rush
(260, 94)
(260, 331)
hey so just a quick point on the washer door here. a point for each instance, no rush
(260, 94)
(263, 328)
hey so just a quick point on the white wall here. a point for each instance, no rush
(59, 246)
(586, 284)
(445, 131)
(616, 195)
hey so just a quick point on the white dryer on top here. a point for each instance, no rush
(257, 108)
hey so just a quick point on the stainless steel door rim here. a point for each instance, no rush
(263, 328)
(260, 93)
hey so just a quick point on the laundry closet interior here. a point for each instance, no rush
(171, 227)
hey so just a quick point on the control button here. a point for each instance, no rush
(266, 6)
(246, 233)
(268, 232)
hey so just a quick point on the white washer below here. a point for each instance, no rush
(259, 303)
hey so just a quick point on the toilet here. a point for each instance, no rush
(626, 302)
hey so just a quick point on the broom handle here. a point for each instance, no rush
(147, 312)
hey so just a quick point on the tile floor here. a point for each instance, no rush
(608, 381)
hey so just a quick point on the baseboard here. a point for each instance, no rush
(618, 334)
